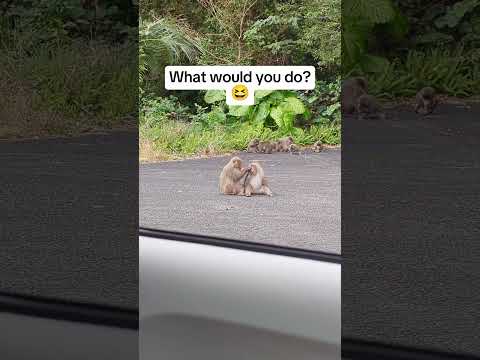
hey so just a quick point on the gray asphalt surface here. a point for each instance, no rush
(67, 228)
(304, 211)
(411, 229)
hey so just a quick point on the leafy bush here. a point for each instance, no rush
(324, 101)
(453, 72)
(298, 32)
(362, 21)
(436, 23)
(274, 109)
(162, 43)
(56, 22)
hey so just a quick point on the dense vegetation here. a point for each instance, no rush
(403, 45)
(250, 32)
(67, 66)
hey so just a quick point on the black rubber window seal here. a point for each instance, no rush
(241, 245)
(353, 349)
(69, 311)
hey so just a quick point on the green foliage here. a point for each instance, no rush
(66, 69)
(456, 13)
(161, 43)
(324, 102)
(453, 72)
(56, 22)
(435, 22)
(361, 21)
(176, 139)
(240, 32)
(158, 110)
(276, 109)
(79, 79)
(298, 32)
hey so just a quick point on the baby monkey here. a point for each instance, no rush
(294, 149)
(255, 181)
(317, 147)
(426, 101)
(253, 146)
(368, 107)
(267, 147)
(283, 145)
(352, 89)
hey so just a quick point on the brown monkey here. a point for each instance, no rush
(284, 143)
(294, 149)
(369, 108)
(255, 181)
(426, 101)
(352, 89)
(317, 147)
(267, 147)
(253, 146)
(231, 176)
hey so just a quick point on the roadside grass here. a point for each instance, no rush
(67, 89)
(452, 72)
(176, 140)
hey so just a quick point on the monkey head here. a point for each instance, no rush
(253, 169)
(361, 82)
(236, 162)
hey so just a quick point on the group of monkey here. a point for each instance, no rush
(355, 99)
(244, 181)
(285, 144)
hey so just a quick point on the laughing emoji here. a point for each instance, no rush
(240, 92)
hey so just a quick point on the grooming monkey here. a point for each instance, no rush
(255, 181)
(231, 176)
(426, 101)
(368, 107)
(352, 89)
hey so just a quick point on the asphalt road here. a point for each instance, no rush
(68, 219)
(411, 229)
(304, 211)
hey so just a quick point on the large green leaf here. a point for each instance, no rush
(456, 13)
(374, 64)
(294, 105)
(261, 112)
(397, 29)
(354, 42)
(260, 94)
(282, 115)
(213, 96)
(238, 110)
(288, 120)
(277, 114)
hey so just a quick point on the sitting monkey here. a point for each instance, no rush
(352, 89)
(231, 176)
(426, 101)
(255, 181)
